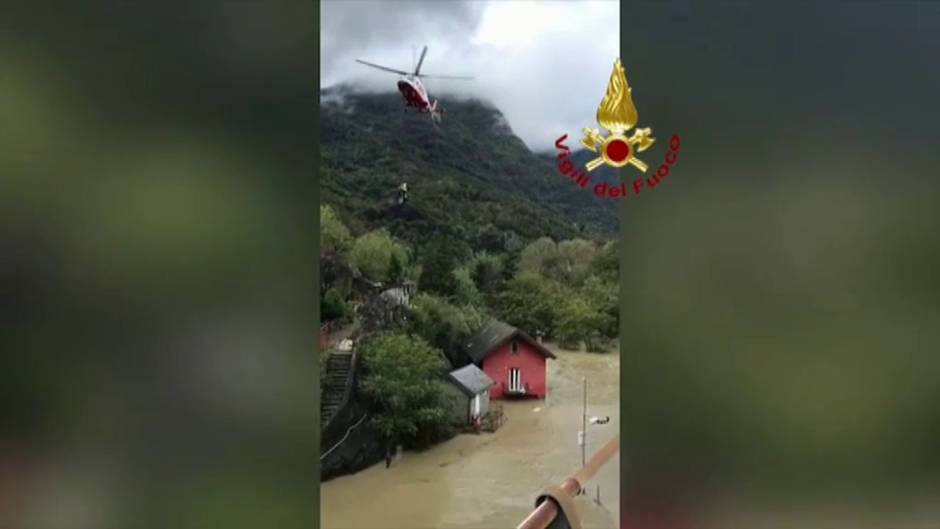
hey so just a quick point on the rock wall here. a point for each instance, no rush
(362, 449)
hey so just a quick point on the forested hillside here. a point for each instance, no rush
(471, 178)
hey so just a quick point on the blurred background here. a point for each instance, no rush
(781, 288)
(157, 261)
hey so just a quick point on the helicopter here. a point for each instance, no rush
(413, 90)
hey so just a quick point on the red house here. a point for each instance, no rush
(515, 361)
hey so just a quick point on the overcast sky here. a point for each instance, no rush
(544, 64)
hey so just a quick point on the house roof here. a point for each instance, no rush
(470, 379)
(492, 335)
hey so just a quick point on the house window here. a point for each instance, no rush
(515, 379)
(514, 347)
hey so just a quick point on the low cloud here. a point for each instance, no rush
(545, 65)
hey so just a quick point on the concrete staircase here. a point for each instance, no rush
(338, 371)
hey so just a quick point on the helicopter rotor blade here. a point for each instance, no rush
(387, 69)
(421, 60)
(461, 77)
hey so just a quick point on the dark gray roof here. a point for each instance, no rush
(470, 379)
(481, 344)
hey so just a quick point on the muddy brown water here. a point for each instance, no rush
(491, 480)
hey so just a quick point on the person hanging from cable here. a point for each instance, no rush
(402, 193)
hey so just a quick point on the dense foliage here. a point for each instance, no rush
(472, 179)
(445, 325)
(403, 378)
(378, 256)
(334, 235)
(438, 263)
(332, 306)
(567, 290)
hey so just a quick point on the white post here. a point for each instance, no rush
(584, 430)
(584, 425)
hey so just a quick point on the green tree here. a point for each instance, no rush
(530, 302)
(578, 319)
(487, 272)
(403, 378)
(437, 268)
(604, 298)
(332, 306)
(540, 257)
(606, 263)
(372, 254)
(572, 316)
(444, 325)
(512, 242)
(334, 236)
(466, 292)
(574, 259)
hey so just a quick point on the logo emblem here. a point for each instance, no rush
(618, 115)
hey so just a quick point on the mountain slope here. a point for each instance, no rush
(471, 178)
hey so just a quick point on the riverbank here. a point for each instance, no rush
(491, 480)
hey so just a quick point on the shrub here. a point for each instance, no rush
(404, 379)
(332, 306)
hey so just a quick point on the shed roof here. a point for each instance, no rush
(494, 334)
(470, 379)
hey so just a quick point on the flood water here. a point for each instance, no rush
(491, 480)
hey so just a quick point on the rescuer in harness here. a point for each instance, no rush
(402, 193)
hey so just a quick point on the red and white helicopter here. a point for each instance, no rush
(412, 89)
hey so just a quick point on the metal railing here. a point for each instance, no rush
(546, 513)
(341, 441)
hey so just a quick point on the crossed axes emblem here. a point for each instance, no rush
(639, 142)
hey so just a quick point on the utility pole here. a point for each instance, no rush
(584, 426)
(582, 437)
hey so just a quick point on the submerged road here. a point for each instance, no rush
(491, 480)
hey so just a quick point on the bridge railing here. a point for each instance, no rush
(554, 498)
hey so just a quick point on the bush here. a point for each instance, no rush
(404, 379)
(332, 306)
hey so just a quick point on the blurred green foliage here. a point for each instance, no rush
(158, 298)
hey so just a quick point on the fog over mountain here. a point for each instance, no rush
(545, 65)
